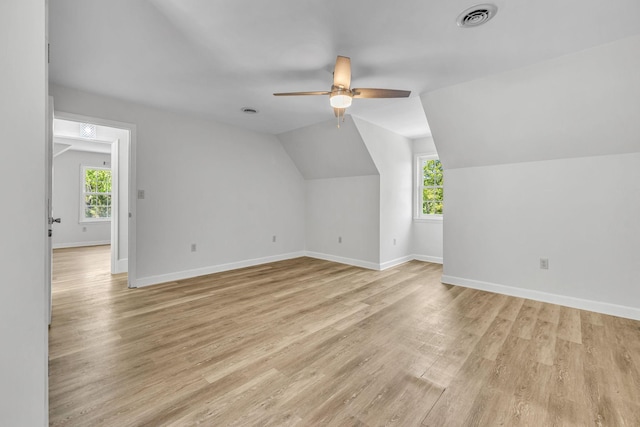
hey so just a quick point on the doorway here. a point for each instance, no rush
(123, 207)
(90, 187)
(120, 139)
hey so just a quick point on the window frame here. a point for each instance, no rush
(83, 194)
(419, 187)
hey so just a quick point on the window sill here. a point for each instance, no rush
(94, 221)
(434, 220)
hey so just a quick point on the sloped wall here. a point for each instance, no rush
(325, 151)
(342, 219)
(557, 143)
(584, 104)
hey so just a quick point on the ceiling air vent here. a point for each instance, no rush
(249, 110)
(476, 15)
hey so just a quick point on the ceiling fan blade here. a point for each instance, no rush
(301, 93)
(342, 72)
(380, 93)
(339, 112)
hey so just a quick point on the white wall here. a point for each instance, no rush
(66, 201)
(540, 124)
(583, 104)
(582, 214)
(392, 155)
(342, 192)
(225, 189)
(427, 233)
(23, 324)
(346, 207)
(324, 151)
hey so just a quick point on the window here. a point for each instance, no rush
(430, 197)
(95, 202)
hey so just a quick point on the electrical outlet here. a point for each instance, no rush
(84, 229)
(394, 242)
(339, 239)
(544, 263)
(193, 247)
(140, 194)
(273, 239)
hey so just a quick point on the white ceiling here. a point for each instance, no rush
(211, 58)
(66, 133)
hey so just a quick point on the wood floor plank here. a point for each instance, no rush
(569, 325)
(310, 342)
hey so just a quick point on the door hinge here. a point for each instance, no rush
(48, 53)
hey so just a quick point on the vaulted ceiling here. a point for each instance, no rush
(211, 58)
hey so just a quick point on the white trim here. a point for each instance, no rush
(395, 262)
(433, 219)
(95, 220)
(427, 258)
(342, 260)
(115, 207)
(81, 244)
(188, 274)
(120, 266)
(583, 304)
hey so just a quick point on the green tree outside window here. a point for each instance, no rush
(97, 193)
(432, 187)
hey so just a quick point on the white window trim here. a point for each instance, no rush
(82, 219)
(418, 216)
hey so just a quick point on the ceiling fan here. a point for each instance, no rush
(341, 94)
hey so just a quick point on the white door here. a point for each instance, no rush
(49, 214)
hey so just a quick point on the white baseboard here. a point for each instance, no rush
(81, 244)
(372, 265)
(583, 304)
(342, 260)
(427, 258)
(187, 274)
(397, 261)
(121, 266)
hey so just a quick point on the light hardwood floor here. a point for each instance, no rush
(309, 342)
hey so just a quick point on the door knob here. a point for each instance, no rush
(56, 220)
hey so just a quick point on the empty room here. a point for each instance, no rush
(325, 213)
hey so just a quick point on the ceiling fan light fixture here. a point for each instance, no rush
(340, 100)
(341, 94)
